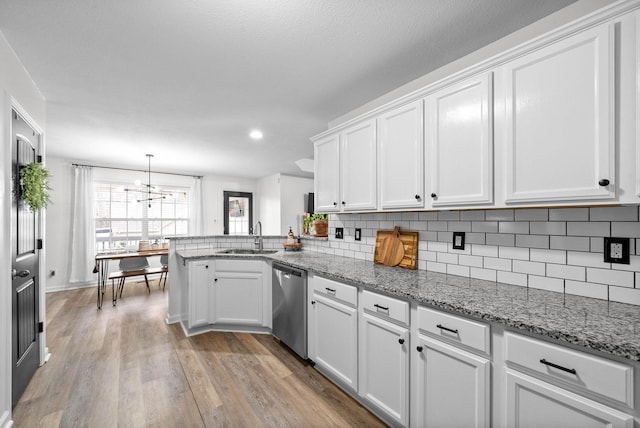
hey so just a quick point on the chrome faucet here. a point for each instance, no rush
(257, 240)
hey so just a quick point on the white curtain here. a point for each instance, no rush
(82, 227)
(195, 208)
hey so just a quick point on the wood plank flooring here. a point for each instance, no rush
(125, 367)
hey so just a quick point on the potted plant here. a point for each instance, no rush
(320, 224)
(34, 184)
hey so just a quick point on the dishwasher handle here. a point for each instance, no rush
(287, 271)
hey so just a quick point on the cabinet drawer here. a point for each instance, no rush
(385, 306)
(239, 265)
(598, 375)
(453, 328)
(346, 293)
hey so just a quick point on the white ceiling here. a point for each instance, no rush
(187, 80)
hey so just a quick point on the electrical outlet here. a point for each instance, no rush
(358, 235)
(458, 240)
(616, 250)
(339, 232)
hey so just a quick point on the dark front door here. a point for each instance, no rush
(25, 347)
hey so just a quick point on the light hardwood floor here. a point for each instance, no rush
(126, 367)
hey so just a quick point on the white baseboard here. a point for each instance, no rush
(5, 420)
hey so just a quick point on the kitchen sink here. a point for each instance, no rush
(246, 251)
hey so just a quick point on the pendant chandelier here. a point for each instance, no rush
(152, 192)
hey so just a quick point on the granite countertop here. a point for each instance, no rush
(601, 325)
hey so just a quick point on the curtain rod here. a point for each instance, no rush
(136, 170)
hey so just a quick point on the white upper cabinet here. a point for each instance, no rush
(359, 167)
(459, 141)
(401, 163)
(559, 122)
(327, 174)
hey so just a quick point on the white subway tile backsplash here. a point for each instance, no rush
(628, 213)
(458, 270)
(577, 243)
(586, 289)
(484, 226)
(497, 264)
(611, 277)
(501, 215)
(513, 253)
(486, 274)
(512, 278)
(533, 268)
(437, 267)
(548, 256)
(466, 260)
(588, 228)
(579, 258)
(625, 229)
(532, 241)
(535, 214)
(569, 214)
(447, 258)
(544, 283)
(505, 239)
(459, 226)
(624, 295)
(513, 227)
(577, 273)
(548, 228)
(484, 250)
(448, 215)
(477, 215)
(559, 249)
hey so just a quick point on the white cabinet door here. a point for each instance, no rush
(384, 367)
(334, 337)
(558, 120)
(238, 298)
(327, 174)
(538, 404)
(200, 283)
(359, 167)
(401, 163)
(459, 141)
(453, 386)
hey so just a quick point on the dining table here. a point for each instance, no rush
(102, 265)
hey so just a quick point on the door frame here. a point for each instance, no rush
(13, 104)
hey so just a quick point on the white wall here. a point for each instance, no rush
(15, 83)
(293, 191)
(213, 188)
(269, 204)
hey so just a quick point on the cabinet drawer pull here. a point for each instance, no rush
(555, 366)
(335, 204)
(440, 326)
(419, 348)
(313, 302)
(215, 280)
(603, 182)
(381, 307)
(344, 203)
(434, 195)
(417, 197)
(401, 341)
(330, 290)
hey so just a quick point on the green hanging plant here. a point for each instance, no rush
(34, 181)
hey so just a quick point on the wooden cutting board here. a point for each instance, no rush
(386, 252)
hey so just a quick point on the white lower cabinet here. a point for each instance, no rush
(201, 278)
(384, 367)
(535, 403)
(240, 293)
(333, 339)
(453, 386)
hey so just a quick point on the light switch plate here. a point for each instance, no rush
(339, 232)
(358, 235)
(458, 240)
(616, 250)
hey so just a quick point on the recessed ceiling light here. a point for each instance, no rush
(256, 135)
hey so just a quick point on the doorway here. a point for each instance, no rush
(238, 213)
(25, 278)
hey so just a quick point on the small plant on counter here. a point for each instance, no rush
(34, 183)
(320, 224)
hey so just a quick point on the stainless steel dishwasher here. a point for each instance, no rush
(289, 305)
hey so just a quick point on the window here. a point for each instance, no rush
(121, 221)
(238, 213)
